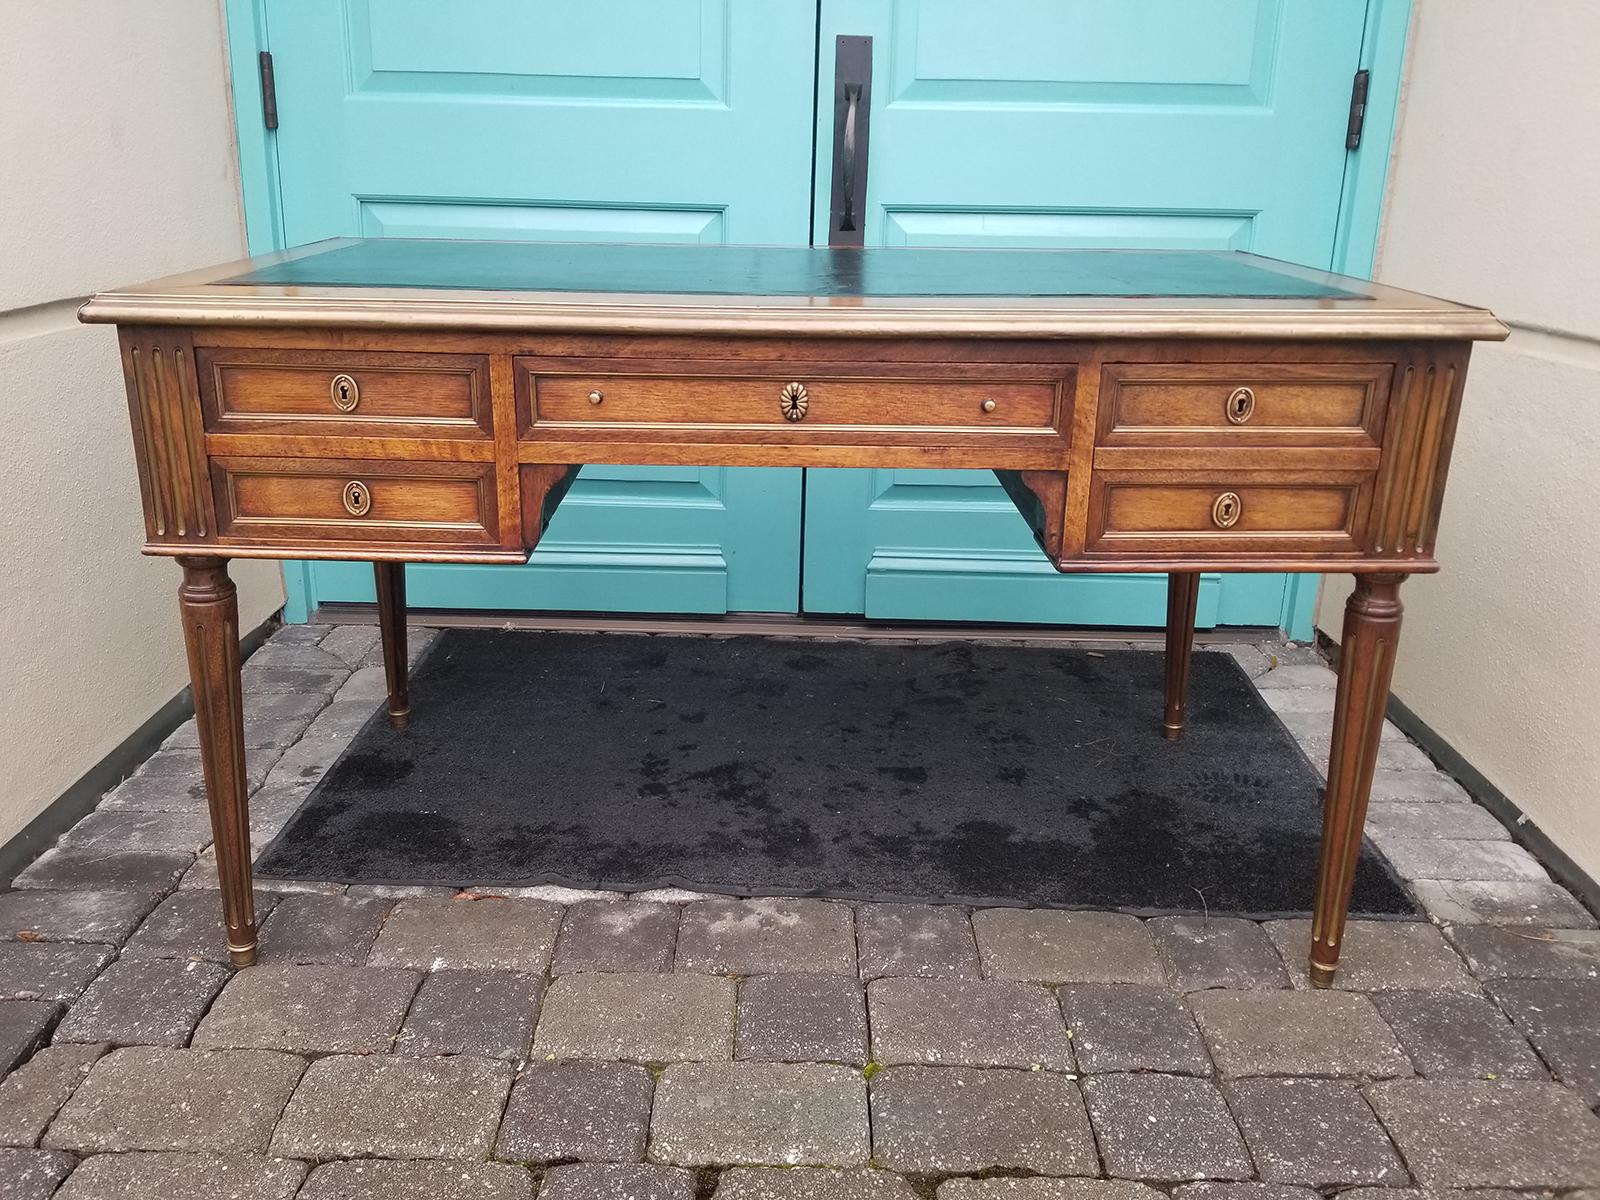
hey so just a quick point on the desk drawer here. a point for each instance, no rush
(345, 394)
(1232, 512)
(357, 501)
(1243, 404)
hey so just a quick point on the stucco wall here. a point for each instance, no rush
(116, 142)
(1492, 200)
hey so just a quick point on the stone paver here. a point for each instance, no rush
(811, 1183)
(349, 1107)
(1463, 1134)
(1501, 902)
(941, 1120)
(1450, 1035)
(645, 1018)
(1436, 858)
(104, 917)
(1416, 787)
(128, 829)
(514, 935)
(145, 1098)
(148, 1176)
(802, 1018)
(189, 925)
(24, 1024)
(1066, 947)
(1562, 1019)
(617, 1181)
(171, 781)
(487, 1013)
(967, 1022)
(32, 1094)
(1217, 952)
(1378, 955)
(1496, 952)
(49, 970)
(96, 868)
(767, 937)
(1256, 1191)
(1047, 1189)
(1297, 1033)
(591, 1111)
(1124, 1027)
(143, 1002)
(321, 930)
(1421, 819)
(325, 1010)
(1165, 1127)
(377, 1179)
(1317, 1132)
(929, 940)
(796, 1114)
(616, 935)
(32, 1174)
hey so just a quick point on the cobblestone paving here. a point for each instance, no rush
(416, 1042)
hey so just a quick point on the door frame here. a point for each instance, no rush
(1383, 46)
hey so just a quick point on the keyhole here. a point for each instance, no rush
(344, 391)
(1238, 405)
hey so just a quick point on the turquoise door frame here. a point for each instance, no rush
(903, 578)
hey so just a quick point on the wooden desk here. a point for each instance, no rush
(406, 401)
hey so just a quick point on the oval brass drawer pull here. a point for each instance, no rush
(357, 498)
(346, 393)
(1227, 510)
(793, 401)
(596, 396)
(1241, 405)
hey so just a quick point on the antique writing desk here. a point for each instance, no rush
(416, 401)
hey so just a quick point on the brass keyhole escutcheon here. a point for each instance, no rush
(1227, 510)
(988, 406)
(793, 401)
(357, 498)
(596, 396)
(346, 393)
(1241, 405)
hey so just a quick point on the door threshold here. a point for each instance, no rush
(785, 626)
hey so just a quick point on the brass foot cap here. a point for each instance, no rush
(1172, 732)
(400, 719)
(243, 956)
(1321, 976)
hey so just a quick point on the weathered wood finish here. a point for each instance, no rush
(390, 578)
(1183, 600)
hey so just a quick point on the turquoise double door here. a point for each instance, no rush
(1008, 123)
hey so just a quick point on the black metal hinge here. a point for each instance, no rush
(269, 92)
(1358, 110)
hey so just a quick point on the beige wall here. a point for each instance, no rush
(116, 163)
(1495, 199)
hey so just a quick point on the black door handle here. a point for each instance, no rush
(852, 111)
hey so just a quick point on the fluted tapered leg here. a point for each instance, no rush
(210, 612)
(1366, 663)
(1183, 595)
(391, 577)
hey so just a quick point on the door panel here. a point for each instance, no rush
(1149, 123)
(628, 120)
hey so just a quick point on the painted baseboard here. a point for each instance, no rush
(72, 805)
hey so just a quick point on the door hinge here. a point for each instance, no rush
(269, 92)
(1358, 109)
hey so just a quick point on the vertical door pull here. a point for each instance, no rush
(852, 110)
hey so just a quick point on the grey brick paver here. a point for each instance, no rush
(172, 781)
(143, 1002)
(380, 1179)
(1433, 858)
(49, 970)
(1452, 1035)
(616, 935)
(967, 1022)
(321, 930)
(1422, 819)
(24, 1025)
(128, 829)
(1253, 1191)
(645, 1018)
(560, 1111)
(1501, 902)
(1416, 787)
(32, 1094)
(1378, 956)
(1496, 952)
(189, 925)
(145, 1098)
(104, 917)
(486, 1013)
(802, 1018)
(1165, 1127)
(617, 1181)
(1562, 1019)
(797, 1114)
(1047, 1189)
(32, 1174)
(1217, 952)
(811, 1183)
(767, 937)
(1297, 1033)
(1050, 946)
(327, 1010)
(1317, 1132)
(940, 1120)
(514, 935)
(153, 1176)
(1124, 1027)
(1463, 1134)
(928, 940)
(96, 868)
(391, 1107)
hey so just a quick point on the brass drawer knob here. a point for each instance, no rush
(346, 393)
(988, 406)
(596, 396)
(1241, 405)
(357, 498)
(1227, 510)
(793, 401)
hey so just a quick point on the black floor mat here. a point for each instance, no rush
(975, 773)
